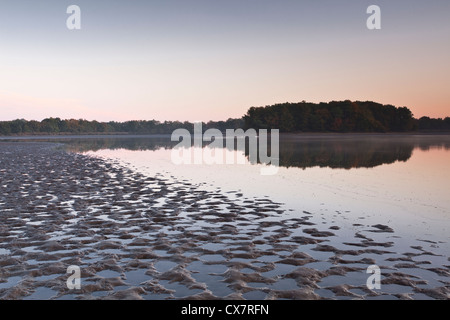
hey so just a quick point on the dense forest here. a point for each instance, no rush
(339, 116)
(429, 124)
(334, 116)
(72, 126)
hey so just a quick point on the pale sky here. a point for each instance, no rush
(213, 59)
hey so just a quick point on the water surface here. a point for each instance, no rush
(332, 188)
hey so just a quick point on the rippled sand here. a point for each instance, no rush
(140, 237)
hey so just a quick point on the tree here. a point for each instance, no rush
(50, 125)
(17, 126)
(335, 116)
(5, 128)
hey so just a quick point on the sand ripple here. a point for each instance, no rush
(140, 237)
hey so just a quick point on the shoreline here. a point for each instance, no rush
(142, 237)
(163, 135)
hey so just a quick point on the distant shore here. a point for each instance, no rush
(66, 135)
(85, 135)
(363, 134)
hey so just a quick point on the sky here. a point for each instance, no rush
(200, 60)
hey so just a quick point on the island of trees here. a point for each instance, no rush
(340, 116)
(334, 116)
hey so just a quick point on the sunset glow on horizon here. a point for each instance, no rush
(213, 60)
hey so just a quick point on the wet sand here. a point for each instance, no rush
(141, 237)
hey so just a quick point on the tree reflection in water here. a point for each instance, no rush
(302, 151)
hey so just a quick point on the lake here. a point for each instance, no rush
(337, 205)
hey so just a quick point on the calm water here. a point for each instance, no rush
(402, 181)
(349, 182)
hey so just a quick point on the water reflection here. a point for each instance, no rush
(343, 153)
(353, 151)
(303, 151)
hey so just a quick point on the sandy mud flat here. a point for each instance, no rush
(140, 237)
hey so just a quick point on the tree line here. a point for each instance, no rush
(81, 126)
(334, 116)
(340, 116)
(430, 124)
